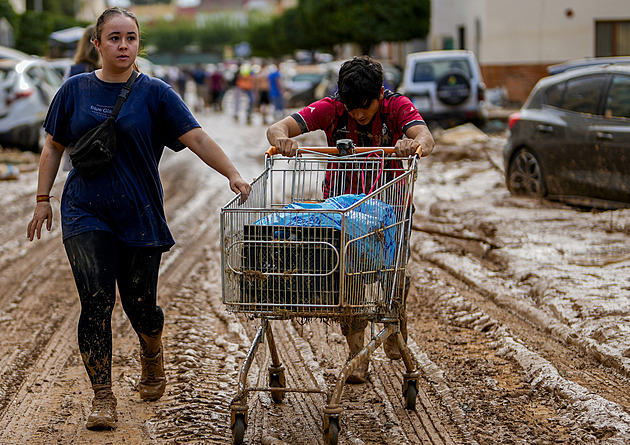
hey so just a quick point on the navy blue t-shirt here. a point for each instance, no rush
(127, 199)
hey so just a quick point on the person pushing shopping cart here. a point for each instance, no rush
(363, 112)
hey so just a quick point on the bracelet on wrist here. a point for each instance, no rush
(46, 198)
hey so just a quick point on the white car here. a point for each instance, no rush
(446, 87)
(27, 88)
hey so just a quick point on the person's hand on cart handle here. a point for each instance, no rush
(408, 147)
(239, 185)
(286, 146)
(418, 141)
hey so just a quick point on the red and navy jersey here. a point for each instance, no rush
(395, 116)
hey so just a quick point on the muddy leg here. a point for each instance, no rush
(353, 329)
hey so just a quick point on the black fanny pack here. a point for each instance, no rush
(95, 150)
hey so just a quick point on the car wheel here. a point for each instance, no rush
(525, 175)
(453, 88)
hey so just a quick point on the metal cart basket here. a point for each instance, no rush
(320, 236)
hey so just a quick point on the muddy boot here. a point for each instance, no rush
(355, 343)
(103, 415)
(153, 379)
(391, 344)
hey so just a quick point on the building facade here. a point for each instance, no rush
(515, 40)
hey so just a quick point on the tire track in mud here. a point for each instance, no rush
(578, 362)
(545, 363)
(298, 420)
(374, 412)
(37, 317)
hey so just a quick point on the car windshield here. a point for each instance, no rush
(431, 70)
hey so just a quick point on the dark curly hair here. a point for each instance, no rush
(360, 82)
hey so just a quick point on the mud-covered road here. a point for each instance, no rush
(519, 319)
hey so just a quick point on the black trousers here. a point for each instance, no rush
(99, 261)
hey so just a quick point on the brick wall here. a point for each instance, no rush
(518, 80)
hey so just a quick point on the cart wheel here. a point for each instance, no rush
(410, 394)
(274, 382)
(238, 430)
(331, 436)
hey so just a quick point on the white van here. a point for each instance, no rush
(446, 87)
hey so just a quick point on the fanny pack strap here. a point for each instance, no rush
(124, 92)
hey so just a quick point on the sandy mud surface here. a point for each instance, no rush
(519, 318)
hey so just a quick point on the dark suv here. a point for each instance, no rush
(571, 139)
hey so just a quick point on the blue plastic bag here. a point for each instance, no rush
(366, 253)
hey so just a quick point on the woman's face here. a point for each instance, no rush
(118, 43)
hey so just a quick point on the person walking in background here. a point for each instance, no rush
(364, 111)
(276, 91)
(181, 82)
(244, 89)
(199, 77)
(86, 59)
(114, 226)
(217, 88)
(262, 90)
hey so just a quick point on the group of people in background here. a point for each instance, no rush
(253, 88)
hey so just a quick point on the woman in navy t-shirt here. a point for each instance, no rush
(114, 227)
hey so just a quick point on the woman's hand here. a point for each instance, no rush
(239, 185)
(43, 212)
(49, 162)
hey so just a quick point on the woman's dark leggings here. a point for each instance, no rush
(99, 261)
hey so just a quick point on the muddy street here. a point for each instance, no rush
(519, 315)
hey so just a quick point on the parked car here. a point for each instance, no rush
(62, 65)
(12, 53)
(301, 83)
(446, 87)
(26, 90)
(571, 139)
(588, 61)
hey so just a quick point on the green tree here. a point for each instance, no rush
(62, 7)
(33, 31)
(150, 2)
(279, 35)
(215, 34)
(7, 11)
(170, 37)
(322, 24)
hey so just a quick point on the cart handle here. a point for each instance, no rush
(333, 150)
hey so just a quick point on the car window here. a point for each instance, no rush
(34, 74)
(52, 78)
(554, 94)
(618, 100)
(583, 94)
(432, 70)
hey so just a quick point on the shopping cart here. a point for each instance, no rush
(320, 236)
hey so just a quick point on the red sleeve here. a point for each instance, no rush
(317, 116)
(404, 113)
